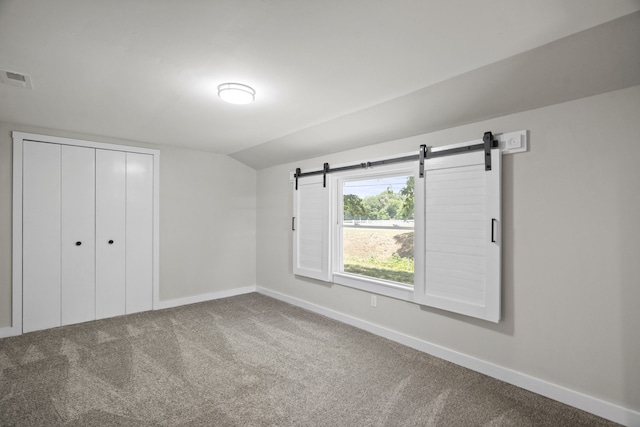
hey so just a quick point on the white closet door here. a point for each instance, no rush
(110, 233)
(139, 229)
(78, 234)
(41, 236)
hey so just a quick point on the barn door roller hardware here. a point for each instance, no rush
(325, 170)
(488, 143)
(421, 156)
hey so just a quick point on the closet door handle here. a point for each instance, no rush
(111, 242)
(78, 243)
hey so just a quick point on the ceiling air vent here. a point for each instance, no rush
(15, 79)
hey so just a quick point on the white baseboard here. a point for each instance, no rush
(9, 331)
(13, 331)
(203, 297)
(567, 396)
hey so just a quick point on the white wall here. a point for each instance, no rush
(207, 219)
(571, 263)
(207, 223)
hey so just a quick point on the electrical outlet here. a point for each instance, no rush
(374, 300)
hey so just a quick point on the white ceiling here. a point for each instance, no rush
(147, 70)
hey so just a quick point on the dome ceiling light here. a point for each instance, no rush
(236, 93)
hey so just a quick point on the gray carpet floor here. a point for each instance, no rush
(248, 361)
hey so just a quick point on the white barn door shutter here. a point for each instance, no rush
(311, 228)
(460, 262)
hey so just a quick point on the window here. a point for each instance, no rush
(434, 240)
(375, 226)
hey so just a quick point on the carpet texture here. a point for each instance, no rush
(248, 361)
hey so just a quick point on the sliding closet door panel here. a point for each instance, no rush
(110, 233)
(78, 238)
(139, 226)
(40, 236)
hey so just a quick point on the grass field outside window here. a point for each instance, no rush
(385, 254)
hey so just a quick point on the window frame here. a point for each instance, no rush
(370, 284)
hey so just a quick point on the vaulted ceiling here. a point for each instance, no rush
(329, 75)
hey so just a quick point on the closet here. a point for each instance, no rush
(88, 231)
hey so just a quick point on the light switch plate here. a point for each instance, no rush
(513, 142)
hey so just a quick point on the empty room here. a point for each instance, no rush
(306, 213)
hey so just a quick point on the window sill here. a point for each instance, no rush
(398, 291)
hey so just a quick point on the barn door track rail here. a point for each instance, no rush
(488, 143)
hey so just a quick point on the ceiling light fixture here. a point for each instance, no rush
(236, 93)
